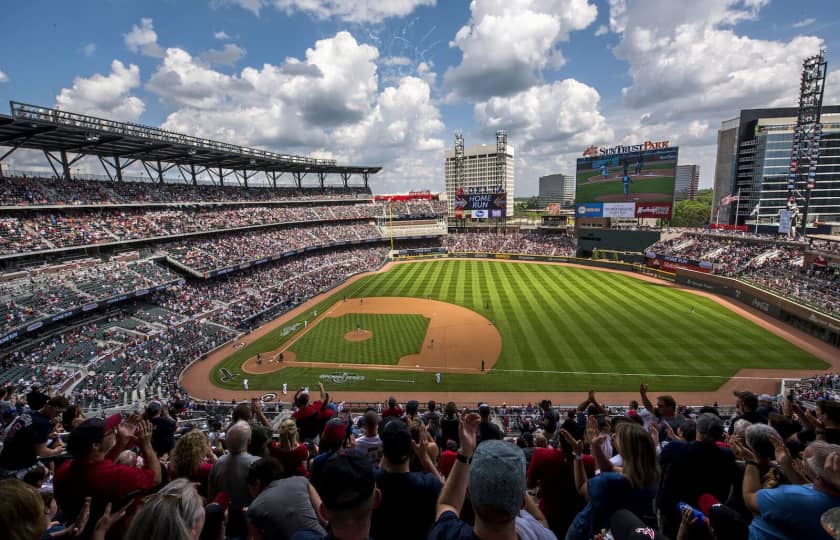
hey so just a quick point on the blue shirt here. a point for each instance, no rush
(608, 492)
(449, 527)
(791, 512)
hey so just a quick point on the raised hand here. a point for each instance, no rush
(467, 431)
(577, 446)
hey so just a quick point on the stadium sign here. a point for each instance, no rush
(653, 210)
(621, 149)
(341, 378)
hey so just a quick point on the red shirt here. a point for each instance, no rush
(555, 475)
(294, 461)
(446, 461)
(104, 482)
(393, 411)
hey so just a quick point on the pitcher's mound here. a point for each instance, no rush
(361, 335)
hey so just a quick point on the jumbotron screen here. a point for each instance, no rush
(626, 182)
(479, 204)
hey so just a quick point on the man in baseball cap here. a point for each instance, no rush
(495, 473)
(348, 496)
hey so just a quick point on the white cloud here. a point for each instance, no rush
(508, 43)
(228, 55)
(3, 76)
(326, 104)
(221, 35)
(396, 61)
(549, 125)
(363, 11)
(143, 39)
(89, 49)
(602, 30)
(804, 22)
(105, 95)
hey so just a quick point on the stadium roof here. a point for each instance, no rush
(57, 131)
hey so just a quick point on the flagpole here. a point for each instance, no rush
(738, 207)
(757, 213)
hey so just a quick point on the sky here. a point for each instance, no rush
(388, 82)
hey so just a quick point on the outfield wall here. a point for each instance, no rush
(818, 324)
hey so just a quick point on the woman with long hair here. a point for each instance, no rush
(192, 458)
(289, 451)
(176, 512)
(633, 487)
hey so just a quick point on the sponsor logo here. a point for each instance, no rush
(653, 210)
(591, 151)
(141, 292)
(479, 214)
(34, 326)
(8, 337)
(621, 149)
(619, 210)
(590, 210)
(341, 378)
(89, 307)
(290, 329)
(269, 396)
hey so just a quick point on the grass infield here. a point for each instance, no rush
(394, 336)
(563, 329)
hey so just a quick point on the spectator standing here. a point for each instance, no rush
(192, 458)
(281, 506)
(289, 451)
(393, 409)
(176, 512)
(91, 474)
(664, 412)
(398, 485)
(311, 417)
(487, 430)
(370, 443)
(349, 495)
(252, 413)
(163, 427)
(692, 469)
(450, 424)
(26, 439)
(230, 475)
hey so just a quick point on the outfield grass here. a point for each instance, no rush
(592, 192)
(588, 173)
(394, 336)
(563, 329)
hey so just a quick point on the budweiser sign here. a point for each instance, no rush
(621, 149)
(653, 210)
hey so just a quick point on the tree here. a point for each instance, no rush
(691, 213)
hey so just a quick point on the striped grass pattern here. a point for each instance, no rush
(566, 328)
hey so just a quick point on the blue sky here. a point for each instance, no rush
(388, 82)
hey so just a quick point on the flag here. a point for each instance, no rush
(728, 199)
(755, 210)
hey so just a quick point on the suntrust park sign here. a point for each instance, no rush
(594, 151)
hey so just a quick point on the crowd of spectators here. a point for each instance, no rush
(60, 229)
(323, 471)
(818, 387)
(44, 291)
(204, 254)
(29, 191)
(525, 243)
(819, 287)
(414, 208)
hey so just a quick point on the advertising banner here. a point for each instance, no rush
(728, 227)
(654, 210)
(619, 210)
(590, 210)
(468, 201)
(784, 221)
(479, 214)
(669, 263)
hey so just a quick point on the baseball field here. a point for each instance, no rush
(501, 326)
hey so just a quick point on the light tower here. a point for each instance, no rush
(459, 159)
(808, 130)
(501, 158)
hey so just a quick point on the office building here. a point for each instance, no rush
(487, 168)
(686, 182)
(557, 188)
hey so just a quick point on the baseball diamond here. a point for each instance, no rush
(562, 328)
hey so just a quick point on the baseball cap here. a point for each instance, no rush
(497, 478)
(346, 479)
(90, 432)
(334, 431)
(154, 407)
(484, 409)
(625, 525)
(396, 441)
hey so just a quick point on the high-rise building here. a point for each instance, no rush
(557, 188)
(762, 161)
(686, 182)
(484, 168)
(727, 145)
